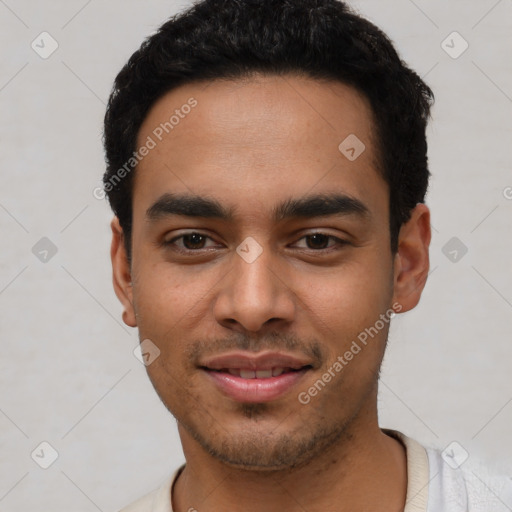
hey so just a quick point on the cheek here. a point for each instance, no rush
(356, 293)
(345, 309)
(165, 295)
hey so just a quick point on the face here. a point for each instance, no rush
(255, 235)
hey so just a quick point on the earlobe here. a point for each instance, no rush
(121, 273)
(412, 258)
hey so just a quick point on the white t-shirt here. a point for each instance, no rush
(434, 484)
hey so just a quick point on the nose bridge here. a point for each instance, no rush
(252, 292)
(254, 279)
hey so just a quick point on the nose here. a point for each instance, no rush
(254, 295)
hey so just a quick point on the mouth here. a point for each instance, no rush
(261, 378)
(257, 374)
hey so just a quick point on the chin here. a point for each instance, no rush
(262, 447)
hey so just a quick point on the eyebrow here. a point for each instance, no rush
(319, 205)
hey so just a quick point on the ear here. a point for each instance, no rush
(412, 259)
(121, 273)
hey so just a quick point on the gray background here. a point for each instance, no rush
(68, 375)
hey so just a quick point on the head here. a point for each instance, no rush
(291, 132)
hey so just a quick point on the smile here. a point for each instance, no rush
(256, 374)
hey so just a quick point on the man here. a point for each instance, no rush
(267, 167)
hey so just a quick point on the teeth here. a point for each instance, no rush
(259, 374)
(263, 374)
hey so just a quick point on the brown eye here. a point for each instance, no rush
(191, 242)
(317, 241)
(194, 241)
(320, 242)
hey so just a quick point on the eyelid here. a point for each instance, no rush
(339, 241)
(178, 237)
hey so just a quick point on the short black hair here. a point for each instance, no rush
(234, 39)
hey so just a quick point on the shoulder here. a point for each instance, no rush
(459, 482)
(158, 500)
(144, 504)
(452, 480)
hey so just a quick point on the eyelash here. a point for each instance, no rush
(171, 243)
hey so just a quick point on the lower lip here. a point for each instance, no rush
(255, 390)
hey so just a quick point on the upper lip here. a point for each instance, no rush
(261, 361)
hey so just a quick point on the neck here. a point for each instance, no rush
(363, 470)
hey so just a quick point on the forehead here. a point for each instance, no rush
(251, 141)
